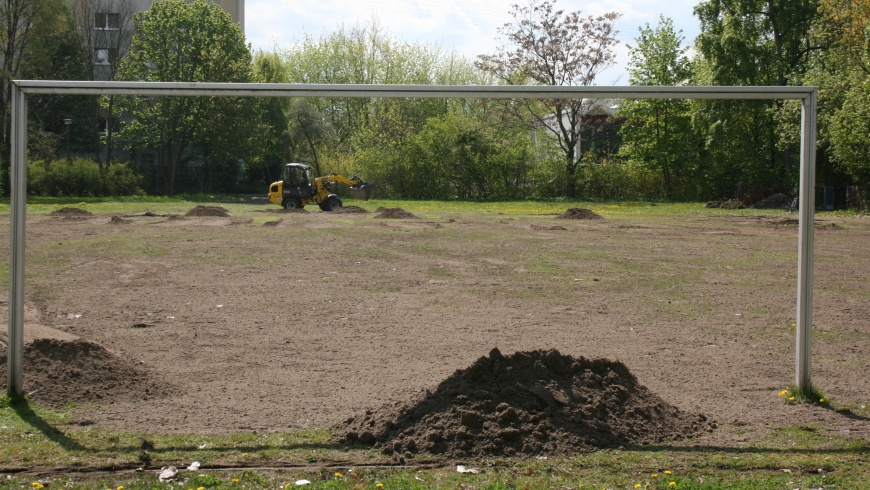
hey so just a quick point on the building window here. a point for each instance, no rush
(106, 123)
(107, 21)
(105, 56)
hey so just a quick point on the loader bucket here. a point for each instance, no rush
(363, 190)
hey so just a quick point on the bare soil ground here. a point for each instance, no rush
(219, 324)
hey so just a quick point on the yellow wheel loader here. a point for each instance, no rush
(296, 189)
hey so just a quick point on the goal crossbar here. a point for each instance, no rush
(18, 161)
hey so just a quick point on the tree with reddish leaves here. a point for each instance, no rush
(546, 46)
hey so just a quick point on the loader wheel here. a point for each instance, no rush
(292, 203)
(331, 203)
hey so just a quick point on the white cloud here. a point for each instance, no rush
(468, 27)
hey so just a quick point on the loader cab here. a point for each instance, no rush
(297, 181)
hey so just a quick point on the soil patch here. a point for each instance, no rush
(775, 201)
(273, 223)
(71, 212)
(549, 228)
(579, 213)
(351, 210)
(285, 211)
(732, 204)
(208, 211)
(60, 372)
(527, 403)
(393, 213)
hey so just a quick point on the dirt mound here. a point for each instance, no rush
(350, 210)
(60, 372)
(732, 204)
(117, 220)
(579, 213)
(208, 211)
(273, 223)
(527, 403)
(775, 201)
(71, 212)
(393, 213)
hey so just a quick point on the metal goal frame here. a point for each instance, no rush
(18, 160)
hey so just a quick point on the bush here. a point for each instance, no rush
(80, 178)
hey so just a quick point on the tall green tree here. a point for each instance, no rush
(657, 134)
(177, 41)
(751, 42)
(546, 46)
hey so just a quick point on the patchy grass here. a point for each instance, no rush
(47, 448)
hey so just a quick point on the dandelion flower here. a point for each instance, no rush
(120, 487)
(791, 398)
(821, 400)
(783, 392)
(655, 475)
(667, 472)
(37, 485)
(637, 485)
(379, 485)
(337, 474)
(235, 480)
(200, 488)
(672, 484)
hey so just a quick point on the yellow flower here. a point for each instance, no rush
(37, 485)
(791, 398)
(379, 485)
(201, 488)
(667, 472)
(120, 487)
(672, 484)
(637, 485)
(235, 480)
(655, 475)
(783, 392)
(337, 474)
(821, 400)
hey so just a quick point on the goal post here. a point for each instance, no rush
(18, 161)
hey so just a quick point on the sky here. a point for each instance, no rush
(469, 27)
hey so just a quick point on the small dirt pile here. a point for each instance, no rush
(273, 223)
(775, 201)
(527, 403)
(59, 372)
(71, 213)
(117, 220)
(579, 213)
(351, 210)
(208, 211)
(393, 213)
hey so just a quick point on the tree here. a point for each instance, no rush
(752, 42)
(657, 133)
(177, 41)
(545, 46)
(34, 37)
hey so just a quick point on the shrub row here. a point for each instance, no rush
(81, 178)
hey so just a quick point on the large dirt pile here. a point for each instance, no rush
(527, 403)
(58, 372)
(208, 211)
(579, 213)
(71, 212)
(393, 213)
(775, 201)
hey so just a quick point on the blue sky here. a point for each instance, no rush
(469, 27)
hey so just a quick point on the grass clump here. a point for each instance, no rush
(813, 395)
